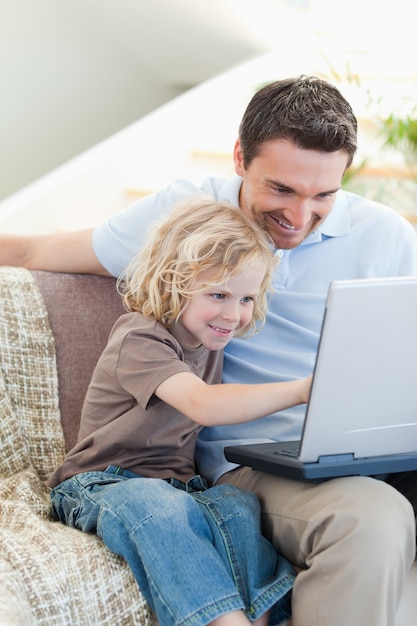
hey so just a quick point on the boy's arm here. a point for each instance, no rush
(213, 405)
(58, 252)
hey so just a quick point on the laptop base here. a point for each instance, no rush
(263, 459)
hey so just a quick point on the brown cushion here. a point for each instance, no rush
(82, 308)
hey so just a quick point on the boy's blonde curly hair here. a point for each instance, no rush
(197, 236)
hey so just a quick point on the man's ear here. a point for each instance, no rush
(238, 159)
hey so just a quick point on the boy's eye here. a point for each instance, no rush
(247, 299)
(218, 296)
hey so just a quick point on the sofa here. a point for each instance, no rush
(53, 328)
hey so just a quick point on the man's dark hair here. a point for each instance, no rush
(308, 111)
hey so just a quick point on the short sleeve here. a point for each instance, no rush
(120, 237)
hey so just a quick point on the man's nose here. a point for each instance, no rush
(299, 214)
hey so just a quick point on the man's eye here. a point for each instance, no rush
(282, 190)
(326, 194)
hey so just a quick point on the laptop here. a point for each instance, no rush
(361, 417)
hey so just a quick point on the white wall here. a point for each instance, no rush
(73, 72)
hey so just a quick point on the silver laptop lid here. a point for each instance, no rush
(364, 394)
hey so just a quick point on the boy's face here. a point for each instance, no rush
(213, 317)
(288, 190)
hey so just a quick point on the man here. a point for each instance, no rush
(352, 538)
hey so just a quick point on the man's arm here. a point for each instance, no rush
(58, 252)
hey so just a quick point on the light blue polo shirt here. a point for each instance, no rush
(359, 239)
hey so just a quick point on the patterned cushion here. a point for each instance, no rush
(30, 427)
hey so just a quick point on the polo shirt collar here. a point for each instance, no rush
(230, 189)
(336, 224)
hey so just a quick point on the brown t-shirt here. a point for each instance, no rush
(122, 422)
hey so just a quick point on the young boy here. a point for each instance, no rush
(197, 553)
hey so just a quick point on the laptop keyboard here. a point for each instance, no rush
(292, 449)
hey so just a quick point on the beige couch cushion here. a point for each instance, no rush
(30, 426)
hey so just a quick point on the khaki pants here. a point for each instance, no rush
(352, 538)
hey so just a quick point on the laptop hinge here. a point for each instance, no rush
(336, 458)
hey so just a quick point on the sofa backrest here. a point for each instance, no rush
(82, 309)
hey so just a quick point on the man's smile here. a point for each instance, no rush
(283, 224)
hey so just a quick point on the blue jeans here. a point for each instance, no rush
(196, 553)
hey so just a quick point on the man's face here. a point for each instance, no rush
(288, 190)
